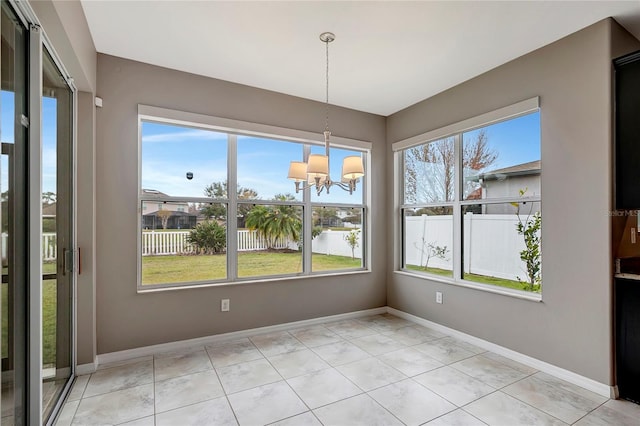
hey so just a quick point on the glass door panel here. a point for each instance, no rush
(13, 213)
(57, 235)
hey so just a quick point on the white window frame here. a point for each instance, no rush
(233, 128)
(455, 130)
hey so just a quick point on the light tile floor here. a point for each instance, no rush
(377, 370)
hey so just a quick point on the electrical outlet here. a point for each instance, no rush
(224, 305)
(438, 297)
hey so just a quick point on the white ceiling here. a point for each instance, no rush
(386, 57)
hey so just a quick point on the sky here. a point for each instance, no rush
(7, 128)
(169, 152)
(516, 141)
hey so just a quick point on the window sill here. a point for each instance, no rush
(533, 297)
(257, 280)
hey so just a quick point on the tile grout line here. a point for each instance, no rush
(79, 400)
(224, 391)
(540, 409)
(350, 340)
(285, 380)
(591, 411)
(153, 375)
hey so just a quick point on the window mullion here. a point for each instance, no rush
(232, 207)
(307, 222)
(457, 214)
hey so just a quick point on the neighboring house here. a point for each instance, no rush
(507, 182)
(180, 218)
(49, 210)
(49, 217)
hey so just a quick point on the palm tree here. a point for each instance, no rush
(276, 222)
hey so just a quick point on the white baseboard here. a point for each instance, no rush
(207, 340)
(569, 376)
(561, 373)
(83, 369)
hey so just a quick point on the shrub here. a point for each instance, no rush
(208, 238)
(352, 240)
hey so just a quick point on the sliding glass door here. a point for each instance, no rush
(57, 233)
(13, 214)
(36, 250)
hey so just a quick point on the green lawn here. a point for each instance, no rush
(174, 269)
(48, 317)
(482, 279)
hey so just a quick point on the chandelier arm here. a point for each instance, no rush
(350, 187)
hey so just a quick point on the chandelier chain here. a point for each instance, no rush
(327, 87)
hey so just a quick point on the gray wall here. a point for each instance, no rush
(571, 327)
(66, 26)
(85, 228)
(126, 319)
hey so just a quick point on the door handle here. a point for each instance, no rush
(67, 261)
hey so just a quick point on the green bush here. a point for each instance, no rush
(208, 238)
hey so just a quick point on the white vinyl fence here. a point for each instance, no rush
(175, 242)
(491, 244)
(333, 243)
(49, 247)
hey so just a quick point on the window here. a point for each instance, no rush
(471, 201)
(194, 230)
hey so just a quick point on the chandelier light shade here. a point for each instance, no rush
(352, 167)
(318, 165)
(316, 172)
(298, 171)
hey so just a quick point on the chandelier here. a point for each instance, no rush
(315, 172)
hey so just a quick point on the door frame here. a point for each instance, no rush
(38, 41)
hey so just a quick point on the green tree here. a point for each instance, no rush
(429, 168)
(430, 250)
(164, 216)
(529, 228)
(208, 237)
(219, 190)
(48, 197)
(352, 239)
(276, 222)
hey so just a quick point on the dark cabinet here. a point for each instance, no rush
(627, 315)
(627, 132)
(627, 197)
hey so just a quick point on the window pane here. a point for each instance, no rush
(263, 165)
(268, 240)
(429, 172)
(337, 195)
(501, 245)
(179, 245)
(182, 161)
(503, 160)
(337, 239)
(428, 240)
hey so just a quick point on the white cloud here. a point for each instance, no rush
(193, 134)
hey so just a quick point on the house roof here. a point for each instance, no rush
(49, 210)
(153, 193)
(530, 168)
(173, 213)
